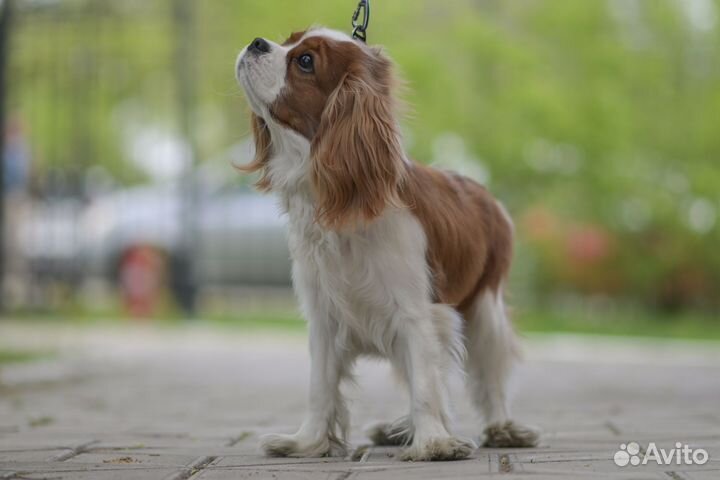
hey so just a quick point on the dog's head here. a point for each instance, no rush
(336, 94)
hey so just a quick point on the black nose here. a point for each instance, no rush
(259, 46)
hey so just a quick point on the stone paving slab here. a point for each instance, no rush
(144, 403)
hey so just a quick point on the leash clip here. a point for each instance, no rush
(359, 31)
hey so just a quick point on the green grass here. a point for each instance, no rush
(621, 323)
(250, 319)
(617, 322)
(275, 320)
(611, 321)
(19, 356)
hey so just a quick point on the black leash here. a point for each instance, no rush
(360, 28)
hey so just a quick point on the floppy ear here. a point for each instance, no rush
(357, 159)
(263, 150)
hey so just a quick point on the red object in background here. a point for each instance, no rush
(141, 278)
(588, 245)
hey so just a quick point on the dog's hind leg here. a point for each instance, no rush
(491, 352)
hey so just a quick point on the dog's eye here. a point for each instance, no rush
(305, 62)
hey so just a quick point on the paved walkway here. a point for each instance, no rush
(190, 404)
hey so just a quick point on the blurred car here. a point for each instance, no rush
(237, 236)
(206, 227)
(234, 235)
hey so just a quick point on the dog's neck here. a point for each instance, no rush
(289, 166)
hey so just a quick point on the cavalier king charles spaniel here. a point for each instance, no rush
(390, 258)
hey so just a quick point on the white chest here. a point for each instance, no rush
(358, 279)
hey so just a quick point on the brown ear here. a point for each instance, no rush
(357, 158)
(263, 150)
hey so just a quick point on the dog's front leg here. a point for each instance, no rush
(420, 355)
(324, 430)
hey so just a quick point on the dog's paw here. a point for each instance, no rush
(510, 435)
(277, 445)
(274, 445)
(438, 449)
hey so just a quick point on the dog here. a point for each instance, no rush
(390, 258)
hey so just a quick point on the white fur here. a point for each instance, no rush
(368, 292)
(491, 354)
(328, 33)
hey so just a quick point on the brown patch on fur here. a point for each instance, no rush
(263, 151)
(469, 237)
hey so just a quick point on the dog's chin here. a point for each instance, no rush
(256, 105)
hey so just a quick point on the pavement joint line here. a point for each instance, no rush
(32, 449)
(282, 468)
(279, 466)
(81, 468)
(73, 452)
(344, 475)
(196, 466)
(564, 460)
